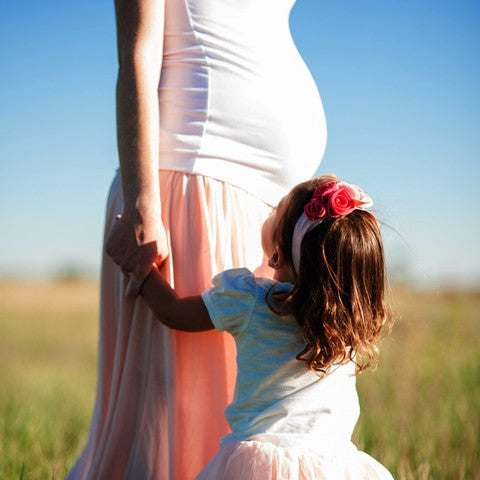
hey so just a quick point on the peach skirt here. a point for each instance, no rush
(253, 460)
(161, 394)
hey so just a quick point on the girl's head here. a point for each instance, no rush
(338, 277)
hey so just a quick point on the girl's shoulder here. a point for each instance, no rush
(243, 279)
(231, 300)
(237, 296)
(235, 279)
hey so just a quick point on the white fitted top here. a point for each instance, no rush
(277, 399)
(237, 102)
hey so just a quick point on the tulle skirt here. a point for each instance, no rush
(253, 460)
(161, 394)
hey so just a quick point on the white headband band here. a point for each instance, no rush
(302, 227)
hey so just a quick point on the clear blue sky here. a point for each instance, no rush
(400, 82)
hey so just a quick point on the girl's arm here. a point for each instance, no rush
(138, 238)
(188, 314)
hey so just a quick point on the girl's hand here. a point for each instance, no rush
(135, 243)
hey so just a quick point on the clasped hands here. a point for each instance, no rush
(136, 247)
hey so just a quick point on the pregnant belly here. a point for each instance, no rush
(268, 119)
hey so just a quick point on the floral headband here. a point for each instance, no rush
(330, 200)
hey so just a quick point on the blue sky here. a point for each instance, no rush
(400, 85)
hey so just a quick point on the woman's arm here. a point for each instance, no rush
(138, 238)
(187, 314)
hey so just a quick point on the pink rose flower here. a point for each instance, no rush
(334, 199)
(340, 202)
(325, 189)
(315, 208)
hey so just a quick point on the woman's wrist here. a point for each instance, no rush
(142, 198)
(142, 214)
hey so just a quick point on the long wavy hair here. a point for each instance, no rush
(338, 295)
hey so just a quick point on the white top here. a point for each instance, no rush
(237, 102)
(277, 399)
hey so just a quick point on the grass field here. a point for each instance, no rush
(420, 410)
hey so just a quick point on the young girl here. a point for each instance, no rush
(301, 338)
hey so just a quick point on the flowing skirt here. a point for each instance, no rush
(161, 394)
(253, 460)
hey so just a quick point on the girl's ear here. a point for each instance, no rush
(284, 272)
(273, 260)
(277, 260)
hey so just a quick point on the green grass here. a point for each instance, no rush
(420, 409)
(47, 370)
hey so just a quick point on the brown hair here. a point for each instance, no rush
(338, 295)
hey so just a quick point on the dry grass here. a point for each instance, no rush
(420, 410)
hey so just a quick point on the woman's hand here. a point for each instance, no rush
(136, 242)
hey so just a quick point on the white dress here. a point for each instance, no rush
(287, 423)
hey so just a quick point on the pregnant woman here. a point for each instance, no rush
(217, 114)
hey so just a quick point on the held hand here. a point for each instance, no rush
(135, 243)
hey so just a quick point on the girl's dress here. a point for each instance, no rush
(286, 422)
(241, 122)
